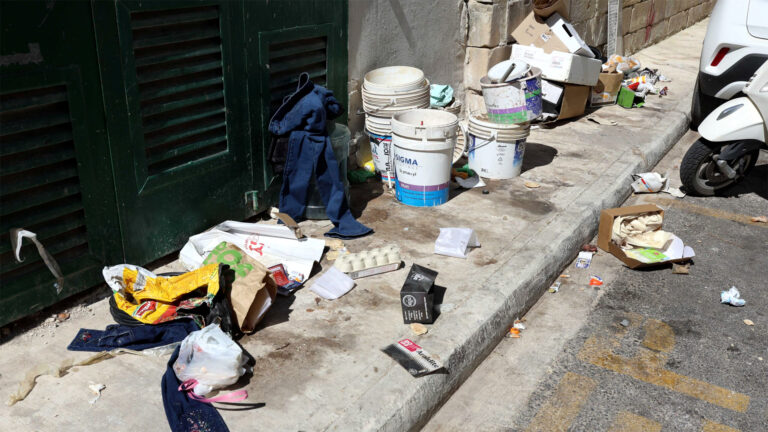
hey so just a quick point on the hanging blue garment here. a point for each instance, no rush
(185, 414)
(303, 115)
(132, 337)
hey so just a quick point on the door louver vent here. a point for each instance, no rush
(288, 59)
(181, 85)
(39, 184)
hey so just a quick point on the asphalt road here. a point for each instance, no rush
(680, 362)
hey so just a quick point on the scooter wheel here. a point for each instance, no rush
(701, 176)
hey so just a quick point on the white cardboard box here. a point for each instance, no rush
(560, 66)
(568, 36)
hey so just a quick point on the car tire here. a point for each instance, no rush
(694, 163)
(701, 106)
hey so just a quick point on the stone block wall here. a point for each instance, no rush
(486, 26)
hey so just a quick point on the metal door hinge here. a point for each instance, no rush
(253, 198)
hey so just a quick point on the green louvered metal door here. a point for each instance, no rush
(176, 100)
(284, 39)
(55, 175)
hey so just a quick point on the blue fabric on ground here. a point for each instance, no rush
(185, 414)
(304, 115)
(132, 337)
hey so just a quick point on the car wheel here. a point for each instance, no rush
(701, 106)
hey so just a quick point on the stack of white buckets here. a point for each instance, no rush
(386, 92)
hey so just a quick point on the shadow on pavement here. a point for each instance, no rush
(537, 155)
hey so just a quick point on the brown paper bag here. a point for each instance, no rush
(253, 290)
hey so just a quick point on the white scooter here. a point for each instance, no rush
(731, 139)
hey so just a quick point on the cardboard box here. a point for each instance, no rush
(545, 8)
(416, 296)
(560, 66)
(535, 31)
(568, 36)
(564, 100)
(554, 34)
(605, 230)
(607, 88)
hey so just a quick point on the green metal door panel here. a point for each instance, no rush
(55, 176)
(177, 113)
(285, 39)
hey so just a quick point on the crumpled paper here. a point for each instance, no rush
(732, 297)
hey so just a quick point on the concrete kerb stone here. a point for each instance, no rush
(397, 404)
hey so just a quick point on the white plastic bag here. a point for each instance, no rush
(212, 358)
(455, 242)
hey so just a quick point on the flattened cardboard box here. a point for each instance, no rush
(605, 229)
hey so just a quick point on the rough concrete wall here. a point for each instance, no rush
(422, 33)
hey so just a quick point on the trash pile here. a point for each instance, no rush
(634, 235)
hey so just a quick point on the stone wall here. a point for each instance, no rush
(486, 26)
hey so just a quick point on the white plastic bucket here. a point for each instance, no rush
(381, 153)
(423, 141)
(516, 101)
(495, 151)
(393, 79)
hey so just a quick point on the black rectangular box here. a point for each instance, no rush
(416, 296)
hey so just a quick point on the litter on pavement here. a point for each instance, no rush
(732, 297)
(413, 358)
(748, 322)
(584, 259)
(633, 234)
(416, 296)
(456, 242)
(332, 284)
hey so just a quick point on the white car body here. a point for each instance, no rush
(742, 27)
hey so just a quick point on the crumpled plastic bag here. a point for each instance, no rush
(210, 357)
(455, 242)
(732, 297)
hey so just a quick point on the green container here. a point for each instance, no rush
(626, 97)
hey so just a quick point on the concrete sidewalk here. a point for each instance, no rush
(318, 364)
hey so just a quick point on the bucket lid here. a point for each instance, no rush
(368, 91)
(425, 124)
(394, 78)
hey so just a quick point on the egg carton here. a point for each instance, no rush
(370, 262)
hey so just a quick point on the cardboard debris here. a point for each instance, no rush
(681, 268)
(419, 329)
(253, 289)
(607, 88)
(416, 296)
(560, 66)
(677, 251)
(412, 357)
(545, 8)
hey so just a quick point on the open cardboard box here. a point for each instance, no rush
(564, 100)
(606, 228)
(560, 66)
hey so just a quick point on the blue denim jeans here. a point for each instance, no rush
(132, 337)
(304, 115)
